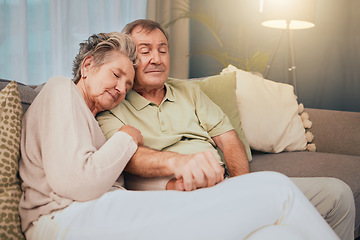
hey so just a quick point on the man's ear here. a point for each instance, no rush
(86, 65)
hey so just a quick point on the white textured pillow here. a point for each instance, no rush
(269, 113)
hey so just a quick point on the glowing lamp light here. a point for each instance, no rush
(287, 15)
(291, 14)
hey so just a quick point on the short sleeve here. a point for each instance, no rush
(210, 115)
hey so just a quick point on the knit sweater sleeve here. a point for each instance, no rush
(64, 141)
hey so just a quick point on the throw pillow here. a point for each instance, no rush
(10, 192)
(221, 90)
(269, 113)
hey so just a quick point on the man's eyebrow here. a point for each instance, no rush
(144, 44)
(148, 44)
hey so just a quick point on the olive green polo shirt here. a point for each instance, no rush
(184, 122)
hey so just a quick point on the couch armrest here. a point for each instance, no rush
(335, 131)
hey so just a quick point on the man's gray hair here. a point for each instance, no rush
(146, 24)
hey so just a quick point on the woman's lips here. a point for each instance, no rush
(113, 96)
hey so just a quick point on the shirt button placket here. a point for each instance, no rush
(162, 122)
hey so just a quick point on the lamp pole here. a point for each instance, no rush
(287, 15)
(270, 62)
(291, 54)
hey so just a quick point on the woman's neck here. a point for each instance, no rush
(88, 101)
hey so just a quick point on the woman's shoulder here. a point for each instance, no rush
(58, 82)
(57, 86)
(54, 89)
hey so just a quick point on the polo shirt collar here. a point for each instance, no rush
(139, 102)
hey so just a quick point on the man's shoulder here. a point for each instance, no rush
(107, 116)
(181, 84)
(117, 109)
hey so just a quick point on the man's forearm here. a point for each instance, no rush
(234, 153)
(236, 160)
(147, 162)
(196, 170)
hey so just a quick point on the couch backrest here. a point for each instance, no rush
(27, 93)
(336, 131)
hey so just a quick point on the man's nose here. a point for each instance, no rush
(155, 58)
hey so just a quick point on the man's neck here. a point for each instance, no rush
(154, 95)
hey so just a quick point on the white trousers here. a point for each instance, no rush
(268, 204)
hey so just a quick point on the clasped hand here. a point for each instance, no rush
(199, 170)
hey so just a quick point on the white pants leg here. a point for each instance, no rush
(277, 232)
(234, 209)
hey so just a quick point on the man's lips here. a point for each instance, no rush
(155, 69)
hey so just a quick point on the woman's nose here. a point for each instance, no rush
(120, 87)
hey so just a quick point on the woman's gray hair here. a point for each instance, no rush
(101, 47)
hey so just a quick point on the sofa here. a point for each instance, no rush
(336, 136)
(337, 139)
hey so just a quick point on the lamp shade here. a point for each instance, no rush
(292, 14)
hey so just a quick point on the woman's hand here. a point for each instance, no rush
(175, 184)
(134, 133)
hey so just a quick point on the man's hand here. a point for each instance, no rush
(193, 171)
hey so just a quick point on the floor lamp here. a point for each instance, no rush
(287, 15)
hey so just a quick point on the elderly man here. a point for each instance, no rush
(181, 127)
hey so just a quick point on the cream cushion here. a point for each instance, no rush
(269, 113)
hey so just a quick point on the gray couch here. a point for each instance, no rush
(337, 138)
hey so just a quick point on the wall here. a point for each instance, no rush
(327, 57)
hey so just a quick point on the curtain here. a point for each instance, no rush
(40, 38)
(164, 11)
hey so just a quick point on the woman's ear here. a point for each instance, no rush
(86, 65)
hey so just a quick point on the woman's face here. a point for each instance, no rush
(106, 86)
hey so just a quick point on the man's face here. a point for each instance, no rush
(153, 52)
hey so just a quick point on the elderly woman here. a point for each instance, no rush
(72, 176)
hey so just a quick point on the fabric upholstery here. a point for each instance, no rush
(269, 113)
(221, 90)
(336, 131)
(10, 192)
(313, 164)
(27, 93)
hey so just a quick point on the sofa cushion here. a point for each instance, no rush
(269, 113)
(27, 93)
(313, 164)
(221, 90)
(10, 192)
